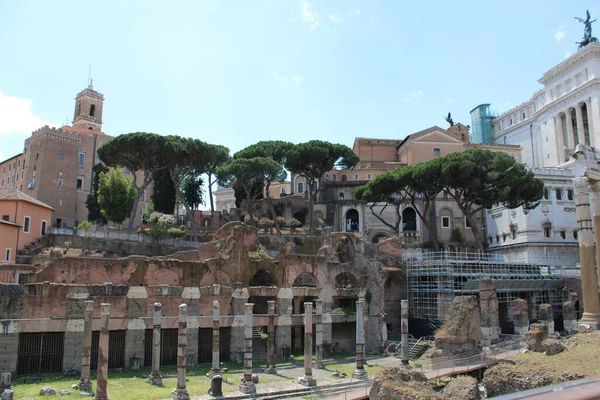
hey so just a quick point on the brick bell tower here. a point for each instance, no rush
(88, 109)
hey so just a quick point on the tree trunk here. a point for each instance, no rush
(134, 211)
(272, 209)
(190, 215)
(476, 229)
(427, 223)
(311, 222)
(210, 183)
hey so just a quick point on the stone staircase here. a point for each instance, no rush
(416, 348)
(259, 346)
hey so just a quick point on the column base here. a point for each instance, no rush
(591, 319)
(180, 394)
(85, 385)
(155, 380)
(270, 370)
(214, 372)
(309, 381)
(247, 387)
(360, 374)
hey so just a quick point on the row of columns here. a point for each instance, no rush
(247, 386)
(568, 134)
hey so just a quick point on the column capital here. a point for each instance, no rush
(581, 185)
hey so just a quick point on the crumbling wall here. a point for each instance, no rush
(461, 331)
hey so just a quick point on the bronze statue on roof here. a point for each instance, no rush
(587, 31)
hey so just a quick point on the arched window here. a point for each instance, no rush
(344, 178)
(409, 216)
(92, 110)
(341, 196)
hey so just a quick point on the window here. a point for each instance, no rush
(574, 234)
(22, 172)
(37, 155)
(6, 218)
(19, 163)
(2, 181)
(355, 177)
(60, 182)
(558, 194)
(61, 156)
(504, 237)
(9, 167)
(79, 183)
(369, 176)
(563, 234)
(437, 152)
(81, 158)
(341, 196)
(344, 178)
(523, 115)
(513, 232)
(26, 223)
(282, 190)
(8, 255)
(92, 110)
(547, 232)
(445, 222)
(510, 122)
(546, 194)
(467, 223)
(300, 187)
(570, 194)
(444, 195)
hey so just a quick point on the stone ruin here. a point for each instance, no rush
(462, 329)
(235, 269)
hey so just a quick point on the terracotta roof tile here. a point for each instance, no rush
(16, 195)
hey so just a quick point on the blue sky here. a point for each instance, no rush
(236, 72)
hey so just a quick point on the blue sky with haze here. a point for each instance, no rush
(236, 72)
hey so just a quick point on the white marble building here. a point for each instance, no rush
(565, 112)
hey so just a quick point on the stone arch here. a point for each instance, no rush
(471, 248)
(262, 277)
(305, 279)
(215, 276)
(352, 220)
(378, 237)
(346, 280)
(451, 249)
(319, 215)
(409, 219)
(300, 217)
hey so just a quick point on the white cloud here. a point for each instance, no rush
(16, 116)
(559, 34)
(309, 16)
(449, 100)
(567, 54)
(409, 97)
(285, 79)
(335, 19)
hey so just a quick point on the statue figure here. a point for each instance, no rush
(587, 31)
(449, 119)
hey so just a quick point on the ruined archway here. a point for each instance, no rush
(305, 279)
(345, 280)
(352, 220)
(215, 276)
(263, 278)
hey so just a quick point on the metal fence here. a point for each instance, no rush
(132, 237)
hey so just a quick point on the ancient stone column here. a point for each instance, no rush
(520, 316)
(216, 339)
(5, 381)
(595, 201)
(569, 316)
(360, 341)
(546, 316)
(85, 383)
(488, 304)
(404, 331)
(247, 386)
(155, 377)
(307, 379)
(271, 339)
(585, 236)
(319, 335)
(102, 368)
(181, 393)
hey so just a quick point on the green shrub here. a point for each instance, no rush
(298, 241)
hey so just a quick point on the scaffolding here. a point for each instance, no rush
(434, 279)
